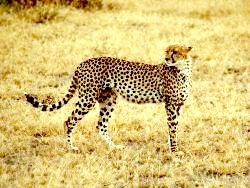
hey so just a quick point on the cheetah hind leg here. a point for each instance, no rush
(70, 124)
(107, 101)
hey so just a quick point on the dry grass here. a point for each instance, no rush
(39, 50)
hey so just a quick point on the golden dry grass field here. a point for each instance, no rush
(41, 46)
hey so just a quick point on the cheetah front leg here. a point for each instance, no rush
(172, 114)
(107, 101)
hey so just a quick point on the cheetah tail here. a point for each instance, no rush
(50, 107)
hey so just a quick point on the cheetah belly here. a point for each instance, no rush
(136, 92)
(137, 96)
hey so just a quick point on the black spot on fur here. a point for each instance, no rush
(65, 101)
(83, 113)
(59, 105)
(35, 104)
(30, 99)
(44, 108)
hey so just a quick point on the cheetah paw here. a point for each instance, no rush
(74, 148)
(179, 154)
(119, 146)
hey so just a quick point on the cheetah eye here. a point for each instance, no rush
(167, 59)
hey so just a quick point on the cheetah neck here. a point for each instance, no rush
(183, 67)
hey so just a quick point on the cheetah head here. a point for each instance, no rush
(177, 55)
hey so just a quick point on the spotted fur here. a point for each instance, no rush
(102, 79)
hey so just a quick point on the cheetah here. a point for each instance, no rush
(102, 79)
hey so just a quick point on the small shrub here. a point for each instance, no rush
(43, 15)
(5, 2)
(81, 4)
(87, 4)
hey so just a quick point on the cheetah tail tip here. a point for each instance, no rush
(26, 95)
